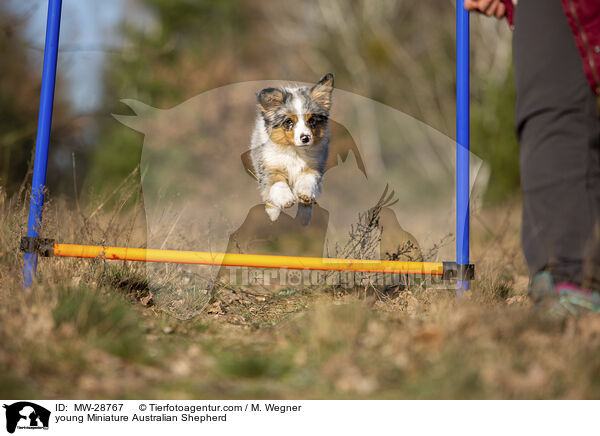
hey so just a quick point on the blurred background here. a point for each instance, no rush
(163, 52)
(180, 341)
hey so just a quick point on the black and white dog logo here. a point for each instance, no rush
(26, 415)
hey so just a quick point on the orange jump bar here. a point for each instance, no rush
(251, 260)
(47, 247)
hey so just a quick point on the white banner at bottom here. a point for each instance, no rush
(291, 417)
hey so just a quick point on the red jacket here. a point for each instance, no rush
(584, 19)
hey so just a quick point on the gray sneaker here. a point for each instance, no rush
(541, 288)
(562, 299)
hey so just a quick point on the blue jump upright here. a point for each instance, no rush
(43, 135)
(462, 144)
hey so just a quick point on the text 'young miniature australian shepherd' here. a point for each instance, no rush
(290, 144)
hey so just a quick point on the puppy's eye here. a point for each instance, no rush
(288, 124)
(316, 119)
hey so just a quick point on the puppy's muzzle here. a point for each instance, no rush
(305, 139)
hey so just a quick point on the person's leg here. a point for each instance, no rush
(591, 267)
(558, 128)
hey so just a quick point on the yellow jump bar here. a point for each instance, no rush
(47, 247)
(249, 260)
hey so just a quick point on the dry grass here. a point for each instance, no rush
(99, 330)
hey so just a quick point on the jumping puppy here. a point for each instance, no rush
(290, 144)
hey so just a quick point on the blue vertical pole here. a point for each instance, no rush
(43, 134)
(462, 141)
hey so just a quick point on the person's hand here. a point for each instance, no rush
(489, 7)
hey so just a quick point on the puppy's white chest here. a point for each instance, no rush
(287, 160)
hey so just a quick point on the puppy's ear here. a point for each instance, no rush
(270, 99)
(321, 91)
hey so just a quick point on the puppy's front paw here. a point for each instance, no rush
(307, 189)
(281, 195)
(305, 199)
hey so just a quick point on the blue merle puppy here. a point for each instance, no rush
(290, 144)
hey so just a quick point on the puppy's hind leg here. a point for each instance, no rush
(304, 213)
(272, 211)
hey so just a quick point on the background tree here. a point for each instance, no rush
(20, 83)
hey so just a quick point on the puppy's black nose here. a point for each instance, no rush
(305, 139)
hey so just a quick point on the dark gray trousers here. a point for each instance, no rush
(558, 128)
